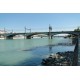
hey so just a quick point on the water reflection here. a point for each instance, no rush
(50, 49)
(50, 46)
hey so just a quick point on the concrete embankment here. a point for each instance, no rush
(59, 59)
(75, 56)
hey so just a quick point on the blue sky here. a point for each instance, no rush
(39, 21)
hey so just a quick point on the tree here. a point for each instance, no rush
(77, 29)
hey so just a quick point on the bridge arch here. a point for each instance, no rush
(32, 34)
(11, 35)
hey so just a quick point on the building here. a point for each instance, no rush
(2, 31)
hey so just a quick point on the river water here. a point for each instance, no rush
(30, 52)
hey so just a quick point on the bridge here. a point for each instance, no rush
(49, 34)
(76, 60)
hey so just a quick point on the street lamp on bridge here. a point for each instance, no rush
(50, 30)
(25, 31)
(29, 30)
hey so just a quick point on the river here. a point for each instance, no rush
(30, 52)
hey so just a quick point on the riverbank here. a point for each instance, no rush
(69, 58)
(59, 59)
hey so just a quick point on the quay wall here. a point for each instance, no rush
(79, 51)
(75, 54)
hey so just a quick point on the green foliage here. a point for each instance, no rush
(69, 35)
(77, 29)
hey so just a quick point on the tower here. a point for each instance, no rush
(50, 30)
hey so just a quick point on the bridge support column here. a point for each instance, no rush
(50, 36)
(27, 37)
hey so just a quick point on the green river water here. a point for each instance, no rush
(30, 52)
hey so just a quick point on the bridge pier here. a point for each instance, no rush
(50, 36)
(9, 38)
(28, 37)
